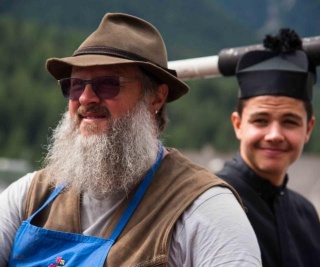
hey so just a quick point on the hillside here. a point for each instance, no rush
(33, 31)
(190, 28)
(267, 16)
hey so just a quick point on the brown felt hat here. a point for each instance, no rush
(122, 39)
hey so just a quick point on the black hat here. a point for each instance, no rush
(282, 69)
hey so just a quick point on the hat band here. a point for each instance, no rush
(116, 52)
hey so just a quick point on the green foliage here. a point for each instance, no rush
(313, 146)
(30, 101)
(202, 117)
(190, 28)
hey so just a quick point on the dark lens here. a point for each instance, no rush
(77, 87)
(65, 87)
(106, 87)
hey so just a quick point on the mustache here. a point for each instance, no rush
(94, 108)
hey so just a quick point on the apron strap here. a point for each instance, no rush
(129, 210)
(137, 197)
(53, 195)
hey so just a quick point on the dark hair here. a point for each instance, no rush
(307, 105)
(150, 84)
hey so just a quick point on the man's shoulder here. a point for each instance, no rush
(180, 168)
(186, 164)
(231, 175)
(185, 171)
(300, 202)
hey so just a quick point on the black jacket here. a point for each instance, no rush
(286, 224)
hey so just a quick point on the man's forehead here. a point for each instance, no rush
(266, 100)
(269, 105)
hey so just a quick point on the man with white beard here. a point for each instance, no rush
(108, 162)
(110, 194)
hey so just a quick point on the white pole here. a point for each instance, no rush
(200, 68)
(224, 64)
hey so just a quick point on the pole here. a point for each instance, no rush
(225, 63)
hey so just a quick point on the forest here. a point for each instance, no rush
(31, 103)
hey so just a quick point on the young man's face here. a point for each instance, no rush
(272, 132)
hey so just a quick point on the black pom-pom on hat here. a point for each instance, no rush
(287, 40)
(283, 68)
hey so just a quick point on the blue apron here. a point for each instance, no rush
(35, 246)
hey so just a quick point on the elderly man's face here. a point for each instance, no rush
(92, 112)
(106, 145)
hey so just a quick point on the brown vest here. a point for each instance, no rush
(145, 240)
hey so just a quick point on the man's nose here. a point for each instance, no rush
(275, 133)
(88, 96)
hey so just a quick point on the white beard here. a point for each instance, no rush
(107, 163)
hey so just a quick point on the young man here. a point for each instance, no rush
(273, 121)
(110, 194)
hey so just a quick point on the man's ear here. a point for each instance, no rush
(159, 98)
(310, 127)
(236, 122)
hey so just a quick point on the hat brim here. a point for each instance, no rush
(62, 67)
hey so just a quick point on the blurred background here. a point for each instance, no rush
(31, 103)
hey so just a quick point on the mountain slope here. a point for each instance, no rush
(190, 28)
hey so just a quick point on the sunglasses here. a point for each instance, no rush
(104, 87)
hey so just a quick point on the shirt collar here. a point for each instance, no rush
(262, 186)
